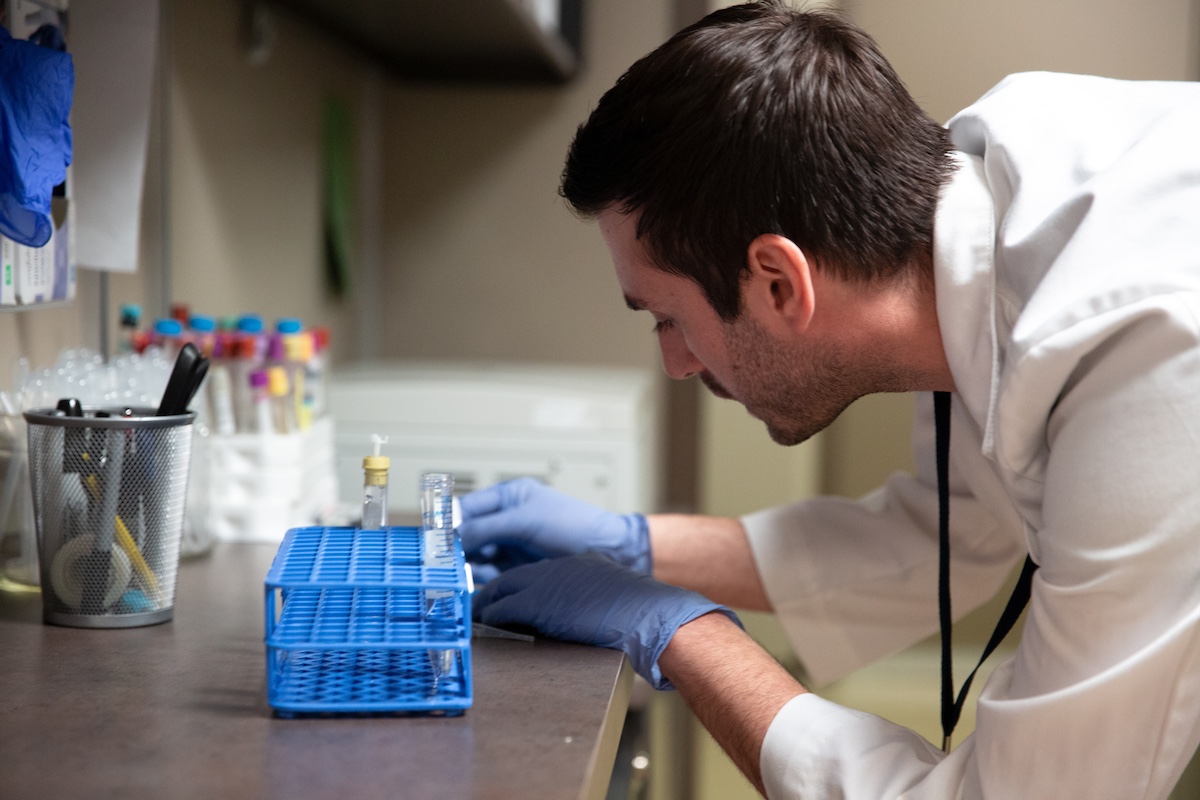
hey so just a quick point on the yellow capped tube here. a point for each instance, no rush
(375, 483)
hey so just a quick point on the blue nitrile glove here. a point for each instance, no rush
(592, 600)
(524, 520)
(36, 87)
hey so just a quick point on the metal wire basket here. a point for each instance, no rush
(109, 490)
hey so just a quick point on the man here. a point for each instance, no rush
(803, 235)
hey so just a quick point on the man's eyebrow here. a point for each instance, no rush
(634, 304)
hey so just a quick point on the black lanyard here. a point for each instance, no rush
(952, 707)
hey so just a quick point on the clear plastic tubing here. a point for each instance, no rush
(437, 529)
(375, 486)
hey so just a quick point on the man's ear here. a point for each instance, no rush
(780, 281)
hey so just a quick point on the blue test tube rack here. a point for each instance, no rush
(348, 629)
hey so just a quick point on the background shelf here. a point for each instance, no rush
(465, 40)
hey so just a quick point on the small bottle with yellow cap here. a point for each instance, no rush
(375, 486)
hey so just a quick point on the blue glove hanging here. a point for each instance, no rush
(36, 86)
(592, 600)
(524, 520)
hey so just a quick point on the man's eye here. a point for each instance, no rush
(662, 325)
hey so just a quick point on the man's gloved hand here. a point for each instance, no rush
(524, 520)
(592, 600)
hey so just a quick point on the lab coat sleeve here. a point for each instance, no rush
(1102, 698)
(853, 581)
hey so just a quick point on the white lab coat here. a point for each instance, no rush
(1067, 261)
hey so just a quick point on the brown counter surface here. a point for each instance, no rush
(179, 710)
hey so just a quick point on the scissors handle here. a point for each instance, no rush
(186, 377)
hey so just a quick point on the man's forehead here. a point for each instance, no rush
(620, 232)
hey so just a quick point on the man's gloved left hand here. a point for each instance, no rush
(592, 600)
(524, 520)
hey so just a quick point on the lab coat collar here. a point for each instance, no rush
(964, 280)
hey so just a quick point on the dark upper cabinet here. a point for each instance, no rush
(509, 41)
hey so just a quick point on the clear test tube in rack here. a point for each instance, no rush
(437, 531)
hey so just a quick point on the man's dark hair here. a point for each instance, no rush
(762, 119)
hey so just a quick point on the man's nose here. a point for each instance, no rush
(678, 361)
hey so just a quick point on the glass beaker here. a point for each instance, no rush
(18, 532)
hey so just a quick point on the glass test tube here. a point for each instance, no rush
(437, 533)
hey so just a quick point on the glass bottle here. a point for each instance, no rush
(375, 487)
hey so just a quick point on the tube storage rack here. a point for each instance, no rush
(357, 622)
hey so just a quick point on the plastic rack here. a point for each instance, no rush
(357, 622)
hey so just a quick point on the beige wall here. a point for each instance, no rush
(244, 172)
(950, 52)
(482, 259)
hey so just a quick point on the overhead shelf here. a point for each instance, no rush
(457, 40)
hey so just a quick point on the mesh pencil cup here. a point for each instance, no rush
(108, 498)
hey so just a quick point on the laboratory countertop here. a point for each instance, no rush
(179, 710)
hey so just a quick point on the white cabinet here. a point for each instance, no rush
(592, 432)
